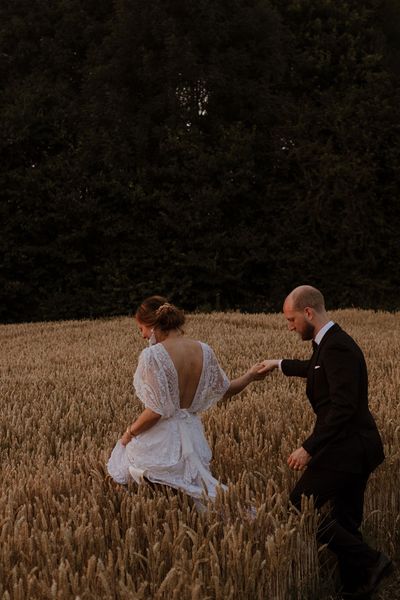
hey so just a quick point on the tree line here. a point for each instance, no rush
(216, 152)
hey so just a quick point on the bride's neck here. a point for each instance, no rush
(169, 335)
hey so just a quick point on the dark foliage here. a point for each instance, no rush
(216, 152)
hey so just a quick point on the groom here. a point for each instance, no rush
(344, 447)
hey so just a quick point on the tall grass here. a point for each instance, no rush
(67, 531)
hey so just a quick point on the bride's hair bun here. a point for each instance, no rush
(164, 308)
(156, 311)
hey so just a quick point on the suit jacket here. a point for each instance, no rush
(345, 436)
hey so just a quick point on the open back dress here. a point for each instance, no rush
(174, 451)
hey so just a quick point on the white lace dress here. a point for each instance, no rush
(174, 451)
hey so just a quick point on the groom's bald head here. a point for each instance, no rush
(304, 309)
(305, 296)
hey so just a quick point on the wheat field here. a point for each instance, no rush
(68, 532)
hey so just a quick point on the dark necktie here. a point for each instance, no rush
(314, 346)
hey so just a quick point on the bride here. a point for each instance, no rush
(176, 379)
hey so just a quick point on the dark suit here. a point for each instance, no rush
(345, 446)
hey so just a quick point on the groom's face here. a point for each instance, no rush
(299, 321)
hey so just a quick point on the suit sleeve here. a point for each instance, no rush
(295, 368)
(343, 368)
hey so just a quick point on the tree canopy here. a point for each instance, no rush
(216, 152)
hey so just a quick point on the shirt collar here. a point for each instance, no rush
(323, 331)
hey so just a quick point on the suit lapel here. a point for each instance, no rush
(310, 376)
(315, 360)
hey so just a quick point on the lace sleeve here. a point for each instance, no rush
(147, 382)
(217, 381)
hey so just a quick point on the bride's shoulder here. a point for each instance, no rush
(205, 345)
(152, 353)
(192, 345)
(146, 354)
(207, 349)
(147, 360)
(196, 342)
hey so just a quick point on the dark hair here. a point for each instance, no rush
(156, 311)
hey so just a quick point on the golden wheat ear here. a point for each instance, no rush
(68, 531)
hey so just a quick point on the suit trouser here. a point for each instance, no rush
(340, 528)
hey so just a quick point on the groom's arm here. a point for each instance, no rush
(294, 368)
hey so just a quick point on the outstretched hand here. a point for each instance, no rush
(262, 369)
(269, 365)
(257, 372)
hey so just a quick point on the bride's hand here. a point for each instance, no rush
(126, 438)
(258, 372)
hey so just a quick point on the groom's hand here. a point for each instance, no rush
(299, 459)
(269, 365)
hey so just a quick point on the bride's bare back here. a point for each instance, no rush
(187, 356)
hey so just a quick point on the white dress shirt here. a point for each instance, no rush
(322, 332)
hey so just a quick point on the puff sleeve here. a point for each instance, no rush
(150, 385)
(216, 381)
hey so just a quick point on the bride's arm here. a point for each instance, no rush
(145, 421)
(255, 373)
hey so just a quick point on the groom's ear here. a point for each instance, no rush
(309, 313)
